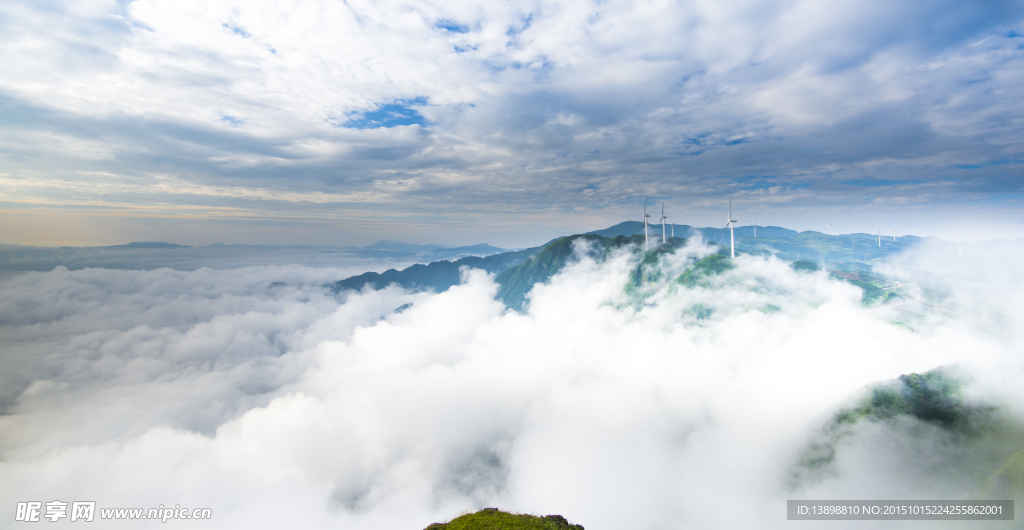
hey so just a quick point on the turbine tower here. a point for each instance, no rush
(732, 233)
(893, 235)
(755, 227)
(879, 236)
(646, 215)
(830, 229)
(663, 240)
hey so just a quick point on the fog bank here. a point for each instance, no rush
(255, 393)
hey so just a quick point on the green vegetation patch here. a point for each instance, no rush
(649, 270)
(698, 274)
(495, 519)
(623, 241)
(933, 396)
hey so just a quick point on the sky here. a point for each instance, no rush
(253, 392)
(459, 122)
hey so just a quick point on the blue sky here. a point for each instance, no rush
(326, 122)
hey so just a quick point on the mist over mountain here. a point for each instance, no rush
(631, 387)
(508, 352)
(850, 256)
(845, 250)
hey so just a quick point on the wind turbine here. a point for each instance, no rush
(893, 235)
(663, 241)
(646, 215)
(755, 227)
(830, 229)
(879, 236)
(732, 233)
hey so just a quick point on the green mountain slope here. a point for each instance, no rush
(648, 270)
(850, 249)
(846, 250)
(437, 276)
(517, 280)
(931, 406)
(934, 396)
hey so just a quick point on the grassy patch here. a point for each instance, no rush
(495, 519)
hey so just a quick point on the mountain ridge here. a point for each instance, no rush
(517, 272)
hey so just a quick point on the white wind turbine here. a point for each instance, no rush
(663, 240)
(830, 229)
(755, 227)
(893, 235)
(646, 215)
(732, 233)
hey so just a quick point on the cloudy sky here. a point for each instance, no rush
(452, 122)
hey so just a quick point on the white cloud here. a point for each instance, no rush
(278, 405)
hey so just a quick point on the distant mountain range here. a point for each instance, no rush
(398, 246)
(434, 252)
(438, 265)
(147, 255)
(143, 245)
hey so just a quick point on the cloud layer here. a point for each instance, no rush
(252, 392)
(236, 116)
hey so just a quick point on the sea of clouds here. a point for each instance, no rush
(256, 393)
